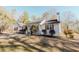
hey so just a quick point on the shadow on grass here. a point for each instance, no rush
(43, 43)
(26, 44)
(12, 47)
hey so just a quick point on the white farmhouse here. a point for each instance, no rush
(45, 27)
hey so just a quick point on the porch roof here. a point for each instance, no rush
(48, 21)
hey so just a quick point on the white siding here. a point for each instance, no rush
(57, 29)
(41, 27)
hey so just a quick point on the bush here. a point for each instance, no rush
(71, 36)
(68, 33)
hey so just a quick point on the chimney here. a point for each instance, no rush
(58, 16)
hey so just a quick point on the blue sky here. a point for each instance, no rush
(38, 10)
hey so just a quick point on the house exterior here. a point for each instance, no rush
(49, 27)
(43, 26)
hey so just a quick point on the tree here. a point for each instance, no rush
(6, 20)
(67, 24)
(76, 25)
(24, 18)
(45, 15)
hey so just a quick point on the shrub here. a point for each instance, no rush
(69, 33)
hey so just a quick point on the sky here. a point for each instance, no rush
(39, 10)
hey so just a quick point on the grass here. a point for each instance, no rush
(22, 43)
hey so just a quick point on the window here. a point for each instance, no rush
(47, 26)
(51, 26)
